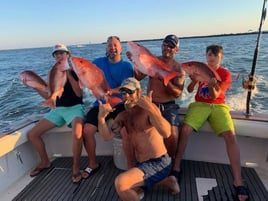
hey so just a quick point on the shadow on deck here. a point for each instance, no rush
(55, 183)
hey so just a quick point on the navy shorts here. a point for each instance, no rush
(170, 111)
(92, 115)
(155, 170)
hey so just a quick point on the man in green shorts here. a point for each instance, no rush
(210, 106)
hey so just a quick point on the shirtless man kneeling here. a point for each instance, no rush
(146, 129)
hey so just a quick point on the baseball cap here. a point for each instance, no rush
(59, 47)
(172, 40)
(130, 83)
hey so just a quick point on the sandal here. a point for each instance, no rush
(241, 191)
(89, 172)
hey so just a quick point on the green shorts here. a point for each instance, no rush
(217, 115)
(65, 115)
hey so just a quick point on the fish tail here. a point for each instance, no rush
(49, 103)
(170, 76)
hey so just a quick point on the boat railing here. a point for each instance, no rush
(245, 126)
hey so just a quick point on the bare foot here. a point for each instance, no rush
(41, 167)
(76, 177)
(173, 185)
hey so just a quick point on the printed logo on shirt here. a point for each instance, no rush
(204, 91)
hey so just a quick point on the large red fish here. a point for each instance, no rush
(56, 81)
(92, 77)
(145, 62)
(33, 80)
(201, 71)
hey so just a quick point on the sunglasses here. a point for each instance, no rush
(125, 91)
(59, 52)
(168, 45)
(111, 37)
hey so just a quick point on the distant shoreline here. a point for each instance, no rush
(158, 39)
(206, 36)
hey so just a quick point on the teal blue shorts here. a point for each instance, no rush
(65, 115)
(217, 115)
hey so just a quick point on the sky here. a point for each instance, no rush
(36, 23)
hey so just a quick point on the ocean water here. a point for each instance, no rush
(18, 102)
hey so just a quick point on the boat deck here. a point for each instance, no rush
(55, 183)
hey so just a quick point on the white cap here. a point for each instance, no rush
(59, 47)
(130, 83)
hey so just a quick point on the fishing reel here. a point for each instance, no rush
(249, 82)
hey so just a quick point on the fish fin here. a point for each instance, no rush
(51, 101)
(170, 76)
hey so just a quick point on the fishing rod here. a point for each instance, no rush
(251, 81)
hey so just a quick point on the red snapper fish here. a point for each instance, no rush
(33, 80)
(57, 78)
(145, 62)
(201, 71)
(92, 77)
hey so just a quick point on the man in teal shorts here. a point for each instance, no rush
(210, 106)
(68, 110)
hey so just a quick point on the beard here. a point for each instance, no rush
(130, 103)
(111, 54)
